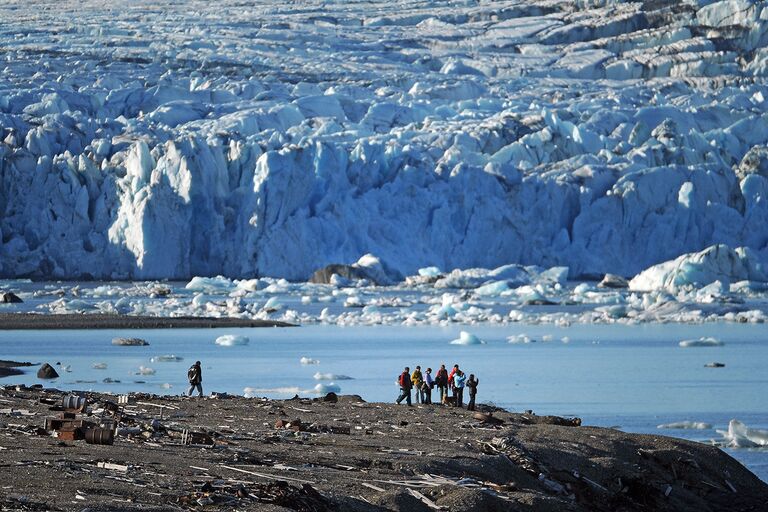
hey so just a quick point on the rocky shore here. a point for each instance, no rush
(12, 321)
(342, 453)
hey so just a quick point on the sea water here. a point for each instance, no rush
(629, 377)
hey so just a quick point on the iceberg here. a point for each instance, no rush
(230, 340)
(701, 342)
(466, 338)
(308, 361)
(739, 435)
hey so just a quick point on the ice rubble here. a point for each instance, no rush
(203, 139)
(687, 424)
(739, 435)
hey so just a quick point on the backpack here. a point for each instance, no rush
(192, 373)
(401, 380)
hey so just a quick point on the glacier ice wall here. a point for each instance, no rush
(166, 139)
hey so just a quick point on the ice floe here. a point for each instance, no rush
(231, 340)
(702, 342)
(331, 376)
(692, 425)
(308, 361)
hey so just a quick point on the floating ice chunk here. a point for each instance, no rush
(272, 305)
(492, 289)
(166, 359)
(693, 425)
(251, 392)
(555, 274)
(520, 339)
(130, 342)
(308, 361)
(702, 342)
(249, 285)
(430, 272)
(99, 366)
(144, 370)
(218, 284)
(231, 340)
(331, 387)
(547, 338)
(466, 338)
(696, 270)
(166, 385)
(331, 376)
(353, 301)
(565, 339)
(739, 435)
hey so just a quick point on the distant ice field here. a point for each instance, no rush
(632, 377)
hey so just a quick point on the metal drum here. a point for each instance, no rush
(100, 436)
(73, 402)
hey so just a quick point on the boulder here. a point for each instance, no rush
(10, 298)
(350, 272)
(47, 372)
(613, 281)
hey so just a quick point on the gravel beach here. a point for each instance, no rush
(342, 453)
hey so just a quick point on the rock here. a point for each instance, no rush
(754, 162)
(714, 365)
(331, 397)
(400, 500)
(130, 342)
(613, 281)
(47, 372)
(10, 298)
(350, 272)
(471, 500)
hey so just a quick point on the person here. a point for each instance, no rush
(472, 387)
(450, 380)
(418, 384)
(404, 381)
(459, 378)
(429, 383)
(195, 376)
(441, 381)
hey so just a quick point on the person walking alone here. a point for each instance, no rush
(458, 387)
(441, 381)
(472, 386)
(418, 383)
(404, 381)
(195, 377)
(429, 383)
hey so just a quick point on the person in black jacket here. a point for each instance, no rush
(441, 381)
(195, 376)
(472, 386)
(404, 381)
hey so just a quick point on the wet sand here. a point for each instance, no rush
(12, 321)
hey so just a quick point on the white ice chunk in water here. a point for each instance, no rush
(324, 389)
(739, 435)
(430, 272)
(231, 340)
(520, 339)
(466, 338)
(166, 359)
(218, 284)
(145, 370)
(693, 425)
(99, 366)
(331, 376)
(308, 361)
(702, 342)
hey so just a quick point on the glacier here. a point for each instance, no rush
(167, 140)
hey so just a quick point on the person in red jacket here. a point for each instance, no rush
(404, 381)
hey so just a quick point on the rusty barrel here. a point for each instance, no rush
(99, 436)
(73, 402)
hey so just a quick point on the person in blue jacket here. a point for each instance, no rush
(459, 380)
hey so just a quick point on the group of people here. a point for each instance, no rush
(423, 384)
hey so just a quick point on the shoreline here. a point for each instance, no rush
(27, 321)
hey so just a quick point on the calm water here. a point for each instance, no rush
(631, 377)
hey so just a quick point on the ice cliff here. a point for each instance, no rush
(165, 140)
